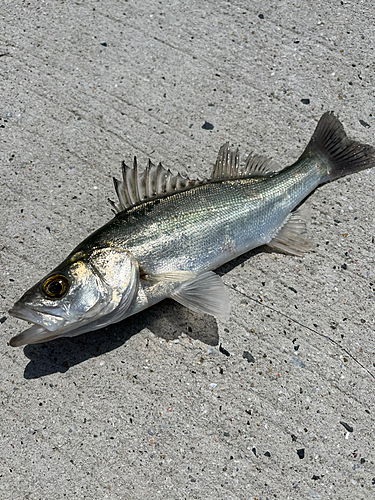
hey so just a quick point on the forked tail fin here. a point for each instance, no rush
(340, 155)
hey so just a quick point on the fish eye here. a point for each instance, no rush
(56, 286)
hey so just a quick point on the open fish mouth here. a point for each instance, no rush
(48, 326)
(38, 334)
(45, 326)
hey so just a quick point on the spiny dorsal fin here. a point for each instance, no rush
(227, 165)
(155, 181)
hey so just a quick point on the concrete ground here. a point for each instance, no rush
(276, 402)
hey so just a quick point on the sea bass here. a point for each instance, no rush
(169, 233)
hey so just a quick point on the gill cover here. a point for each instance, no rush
(119, 275)
(101, 286)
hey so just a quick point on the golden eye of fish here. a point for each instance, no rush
(56, 286)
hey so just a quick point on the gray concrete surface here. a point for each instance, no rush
(152, 407)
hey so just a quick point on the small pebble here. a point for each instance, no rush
(211, 351)
(297, 362)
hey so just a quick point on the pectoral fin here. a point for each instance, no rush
(205, 293)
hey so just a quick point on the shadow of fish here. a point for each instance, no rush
(170, 232)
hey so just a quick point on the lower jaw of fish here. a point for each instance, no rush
(33, 335)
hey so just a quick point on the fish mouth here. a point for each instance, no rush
(41, 332)
(45, 326)
(50, 322)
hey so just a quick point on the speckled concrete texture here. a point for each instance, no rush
(276, 402)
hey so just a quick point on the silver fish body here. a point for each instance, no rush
(201, 229)
(166, 239)
(208, 225)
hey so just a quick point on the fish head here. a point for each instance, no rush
(88, 291)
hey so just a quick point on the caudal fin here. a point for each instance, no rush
(340, 155)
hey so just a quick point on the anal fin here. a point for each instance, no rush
(292, 237)
(205, 293)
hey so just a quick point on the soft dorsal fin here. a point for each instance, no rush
(155, 181)
(227, 165)
(259, 166)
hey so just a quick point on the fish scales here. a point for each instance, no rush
(204, 227)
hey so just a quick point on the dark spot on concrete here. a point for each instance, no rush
(247, 355)
(348, 427)
(224, 351)
(364, 124)
(301, 453)
(207, 126)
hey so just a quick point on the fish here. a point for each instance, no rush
(170, 233)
